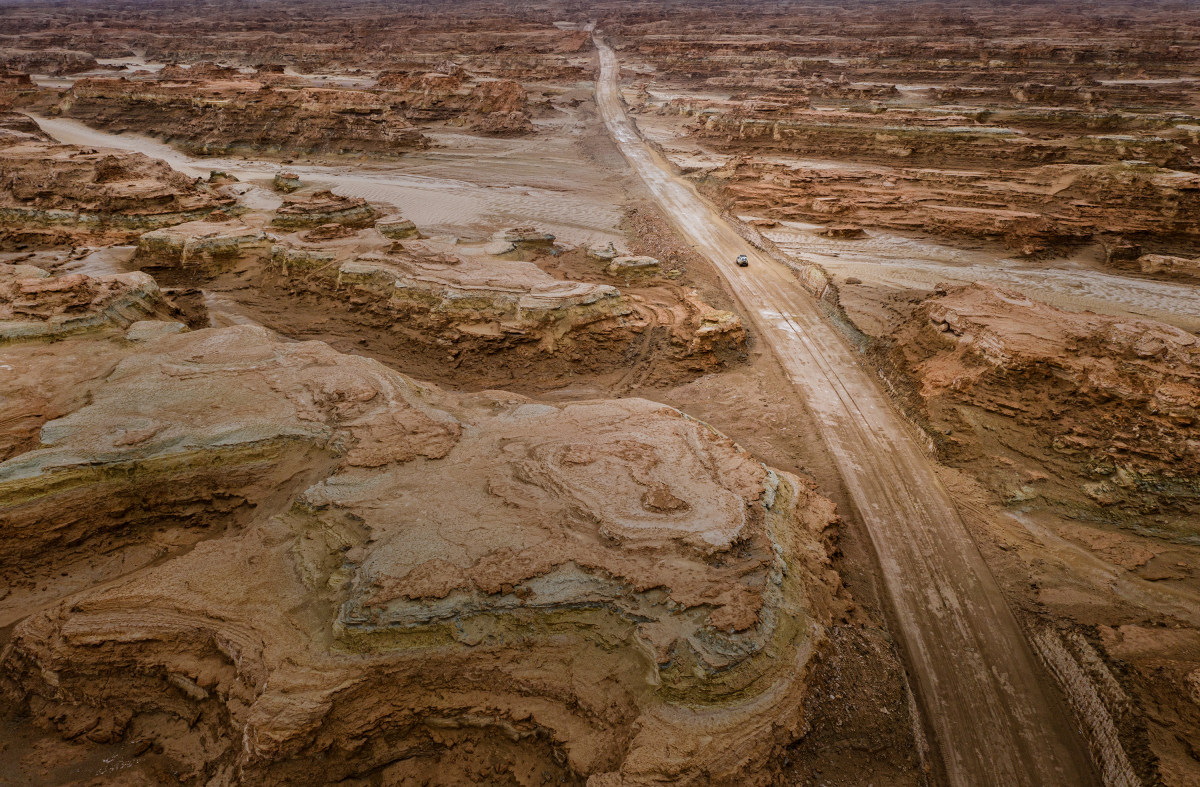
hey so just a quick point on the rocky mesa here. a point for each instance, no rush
(606, 575)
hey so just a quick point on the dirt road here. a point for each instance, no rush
(995, 717)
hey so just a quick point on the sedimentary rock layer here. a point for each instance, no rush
(34, 305)
(234, 113)
(1085, 409)
(605, 576)
(57, 190)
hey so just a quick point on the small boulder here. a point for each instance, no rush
(287, 182)
(1163, 263)
(634, 266)
(524, 236)
(606, 253)
(396, 227)
(841, 231)
(1120, 251)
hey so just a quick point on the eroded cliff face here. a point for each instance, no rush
(917, 140)
(604, 576)
(474, 306)
(209, 114)
(211, 110)
(46, 61)
(1087, 411)
(55, 194)
(496, 106)
(1035, 210)
(35, 305)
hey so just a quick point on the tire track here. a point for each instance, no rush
(995, 715)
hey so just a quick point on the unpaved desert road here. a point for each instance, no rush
(991, 708)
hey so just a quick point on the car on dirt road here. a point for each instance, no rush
(743, 261)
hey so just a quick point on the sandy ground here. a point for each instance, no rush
(464, 189)
(996, 719)
(467, 186)
(891, 261)
(887, 262)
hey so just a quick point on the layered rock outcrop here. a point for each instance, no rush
(1097, 412)
(51, 192)
(606, 576)
(396, 227)
(210, 110)
(1031, 210)
(35, 305)
(432, 292)
(438, 304)
(324, 207)
(51, 332)
(207, 245)
(927, 141)
(16, 89)
(1171, 265)
(47, 61)
(236, 113)
(496, 106)
(16, 128)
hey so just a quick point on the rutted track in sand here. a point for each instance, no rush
(995, 718)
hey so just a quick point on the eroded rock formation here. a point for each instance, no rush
(47, 61)
(469, 302)
(51, 193)
(497, 106)
(1086, 410)
(34, 305)
(236, 113)
(484, 297)
(206, 245)
(324, 207)
(604, 577)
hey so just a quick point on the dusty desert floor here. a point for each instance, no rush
(380, 402)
